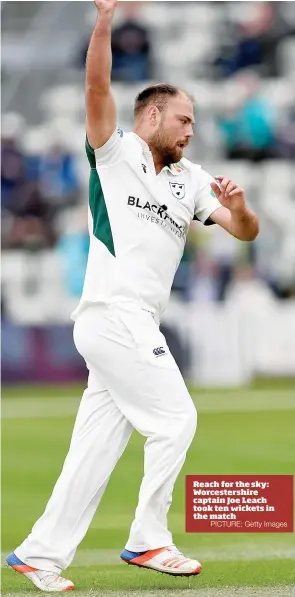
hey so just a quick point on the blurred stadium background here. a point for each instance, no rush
(232, 302)
(231, 318)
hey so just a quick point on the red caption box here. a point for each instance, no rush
(239, 503)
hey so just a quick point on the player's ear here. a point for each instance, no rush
(154, 115)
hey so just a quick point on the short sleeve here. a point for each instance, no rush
(109, 153)
(206, 201)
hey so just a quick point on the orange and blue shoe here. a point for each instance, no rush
(44, 580)
(168, 560)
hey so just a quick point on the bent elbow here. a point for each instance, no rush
(256, 230)
(252, 233)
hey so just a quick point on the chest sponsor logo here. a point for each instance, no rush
(177, 190)
(157, 215)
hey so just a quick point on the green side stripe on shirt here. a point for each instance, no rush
(101, 223)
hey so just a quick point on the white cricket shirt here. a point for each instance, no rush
(138, 222)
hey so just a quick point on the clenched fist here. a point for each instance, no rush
(106, 7)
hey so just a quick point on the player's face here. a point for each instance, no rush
(175, 129)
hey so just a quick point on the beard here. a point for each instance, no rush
(166, 149)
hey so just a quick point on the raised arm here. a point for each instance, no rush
(100, 105)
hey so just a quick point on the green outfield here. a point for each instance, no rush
(239, 432)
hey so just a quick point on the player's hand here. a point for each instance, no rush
(106, 7)
(229, 194)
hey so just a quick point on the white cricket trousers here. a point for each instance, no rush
(131, 385)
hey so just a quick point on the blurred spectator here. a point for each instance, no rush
(26, 216)
(225, 252)
(182, 279)
(249, 291)
(204, 288)
(58, 178)
(12, 158)
(131, 48)
(248, 129)
(31, 222)
(255, 41)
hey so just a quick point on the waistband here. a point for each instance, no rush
(129, 306)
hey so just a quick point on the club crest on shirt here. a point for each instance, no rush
(177, 190)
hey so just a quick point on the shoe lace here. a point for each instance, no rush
(49, 577)
(175, 552)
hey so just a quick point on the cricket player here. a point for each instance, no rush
(143, 195)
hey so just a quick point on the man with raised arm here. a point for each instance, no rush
(143, 196)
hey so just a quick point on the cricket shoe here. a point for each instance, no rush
(168, 560)
(44, 580)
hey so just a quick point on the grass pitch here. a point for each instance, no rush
(239, 432)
